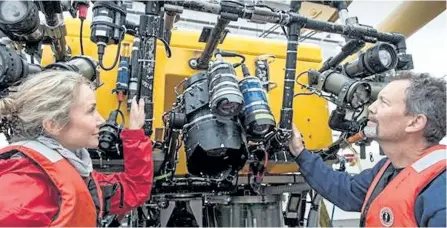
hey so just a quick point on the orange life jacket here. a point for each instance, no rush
(76, 206)
(395, 204)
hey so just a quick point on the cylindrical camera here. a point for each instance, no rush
(104, 25)
(13, 67)
(213, 144)
(20, 19)
(378, 59)
(256, 116)
(225, 97)
(84, 65)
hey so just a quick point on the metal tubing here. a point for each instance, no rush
(198, 5)
(169, 24)
(149, 30)
(116, 31)
(59, 49)
(54, 18)
(135, 76)
(351, 47)
(285, 122)
(50, 9)
(211, 44)
(350, 31)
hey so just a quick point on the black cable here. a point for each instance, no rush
(265, 6)
(177, 86)
(121, 113)
(167, 47)
(238, 3)
(122, 116)
(307, 87)
(302, 94)
(119, 105)
(284, 30)
(80, 36)
(297, 77)
(231, 55)
(354, 116)
(236, 65)
(100, 56)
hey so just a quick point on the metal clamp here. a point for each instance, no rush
(341, 96)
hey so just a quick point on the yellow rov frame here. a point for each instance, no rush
(310, 113)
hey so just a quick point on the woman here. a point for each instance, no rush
(46, 174)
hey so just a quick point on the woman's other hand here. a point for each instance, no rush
(136, 114)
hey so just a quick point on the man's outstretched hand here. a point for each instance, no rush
(296, 144)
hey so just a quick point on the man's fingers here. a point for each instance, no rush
(294, 130)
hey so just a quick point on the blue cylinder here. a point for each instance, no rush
(256, 115)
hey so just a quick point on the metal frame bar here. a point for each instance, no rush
(367, 34)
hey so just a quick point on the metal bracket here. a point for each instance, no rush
(342, 95)
(206, 32)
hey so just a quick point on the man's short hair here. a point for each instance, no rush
(427, 95)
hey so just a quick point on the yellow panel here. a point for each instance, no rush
(310, 112)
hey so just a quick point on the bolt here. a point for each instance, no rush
(193, 63)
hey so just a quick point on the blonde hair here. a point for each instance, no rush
(48, 95)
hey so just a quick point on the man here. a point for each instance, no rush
(408, 188)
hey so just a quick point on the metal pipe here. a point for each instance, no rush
(149, 30)
(342, 8)
(55, 27)
(350, 31)
(116, 31)
(60, 49)
(50, 10)
(198, 5)
(285, 122)
(362, 151)
(169, 24)
(211, 44)
(135, 76)
(351, 47)
(130, 25)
